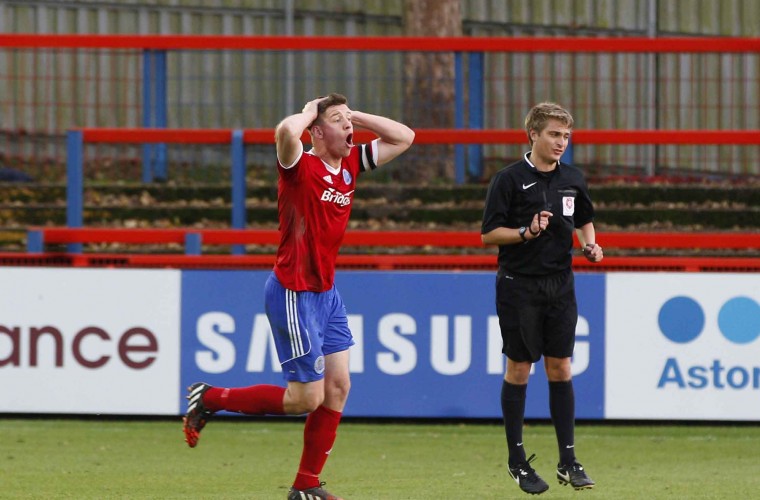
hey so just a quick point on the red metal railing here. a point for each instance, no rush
(393, 43)
(428, 136)
(446, 239)
(449, 240)
(605, 90)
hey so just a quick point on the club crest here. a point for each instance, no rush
(319, 365)
(568, 205)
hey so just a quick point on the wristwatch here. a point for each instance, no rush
(522, 231)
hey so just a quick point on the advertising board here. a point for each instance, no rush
(649, 345)
(89, 341)
(683, 346)
(427, 344)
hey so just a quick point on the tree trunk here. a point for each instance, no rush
(429, 87)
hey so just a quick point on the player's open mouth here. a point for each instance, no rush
(350, 140)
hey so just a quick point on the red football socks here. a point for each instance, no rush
(254, 400)
(318, 439)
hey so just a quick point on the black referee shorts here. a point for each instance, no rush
(537, 315)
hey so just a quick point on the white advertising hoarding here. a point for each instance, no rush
(683, 346)
(675, 346)
(89, 341)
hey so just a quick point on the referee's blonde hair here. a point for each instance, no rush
(540, 114)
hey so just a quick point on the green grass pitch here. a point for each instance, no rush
(256, 459)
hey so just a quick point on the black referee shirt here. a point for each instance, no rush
(517, 193)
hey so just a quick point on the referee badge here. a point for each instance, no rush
(568, 205)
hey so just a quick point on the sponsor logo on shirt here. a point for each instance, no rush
(330, 195)
(328, 178)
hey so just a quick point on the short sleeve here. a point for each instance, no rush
(496, 208)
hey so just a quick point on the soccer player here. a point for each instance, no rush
(305, 310)
(531, 210)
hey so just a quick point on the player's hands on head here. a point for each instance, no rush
(311, 106)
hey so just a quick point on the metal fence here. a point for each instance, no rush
(47, 90)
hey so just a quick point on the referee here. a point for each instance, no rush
(531, 210)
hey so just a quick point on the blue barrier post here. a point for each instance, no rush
(74, 183)
(237, 148)
(459, 167)
(567, 156)
(147, 121)
(34, 241)
(160, 85)
(476, 112)
(155, 107)
(193, 243)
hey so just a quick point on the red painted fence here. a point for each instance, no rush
(442, 250)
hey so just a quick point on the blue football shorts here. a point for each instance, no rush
(306, 326)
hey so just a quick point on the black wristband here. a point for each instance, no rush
(530, 227)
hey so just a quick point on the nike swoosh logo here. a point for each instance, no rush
(564, 475)
(526, 186)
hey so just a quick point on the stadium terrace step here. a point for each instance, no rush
(629, 194)
(377, 206)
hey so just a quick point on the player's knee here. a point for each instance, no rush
(307, 403)
(303, 398)
(337, 390)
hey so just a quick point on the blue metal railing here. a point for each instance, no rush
(155, 110)
(154, 113)
(75, 188)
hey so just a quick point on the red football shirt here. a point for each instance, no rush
(314, 204)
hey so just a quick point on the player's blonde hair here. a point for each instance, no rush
(540, 114)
